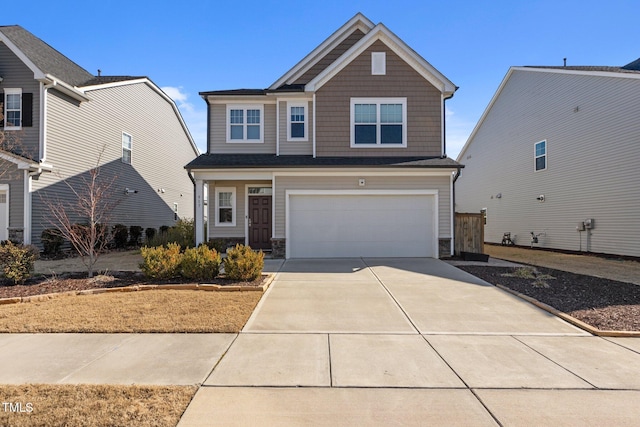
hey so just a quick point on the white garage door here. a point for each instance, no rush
(327, 226)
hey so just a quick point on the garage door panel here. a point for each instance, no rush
(353, 226)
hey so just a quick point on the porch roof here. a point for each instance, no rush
(225, 161)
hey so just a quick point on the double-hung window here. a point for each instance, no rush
(225, 205)
(245, 123)
(378, 122)
(12, 109)
(541, 155)
(127, 146)
(297, 121)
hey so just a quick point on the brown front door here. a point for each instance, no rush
(260, 222)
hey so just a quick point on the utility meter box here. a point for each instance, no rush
(580, 226)
(589, 223)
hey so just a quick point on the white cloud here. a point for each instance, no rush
(195, 118)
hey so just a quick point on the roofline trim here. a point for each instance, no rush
(628, 75)
(65, 88)
(381, 32)
(359, 21)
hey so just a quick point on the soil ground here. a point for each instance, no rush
(602, 292)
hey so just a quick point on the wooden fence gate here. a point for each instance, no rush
(469, 233)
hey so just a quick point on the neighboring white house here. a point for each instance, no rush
(557, 153)
(65, 118)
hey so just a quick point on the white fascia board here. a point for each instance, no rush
(38, 74)
(400, 48)
(616, 74)
(268, 174)
(239, 99)
(160, 92)
(359, 21)
(65, 88)
(20, 162)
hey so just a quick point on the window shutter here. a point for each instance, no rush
(27, 109)
(1, 109)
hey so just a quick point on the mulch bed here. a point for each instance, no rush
(602, 303)
(79, 282)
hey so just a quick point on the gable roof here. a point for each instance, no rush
(626, 71)
(41, 58)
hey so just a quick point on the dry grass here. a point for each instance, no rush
(95, 405)
(142, 311)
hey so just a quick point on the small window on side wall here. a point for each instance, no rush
(127, 146)
(540, 156)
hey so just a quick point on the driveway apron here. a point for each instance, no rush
(410, 342)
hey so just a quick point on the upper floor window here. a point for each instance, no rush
(541, 155)
(127, 146)
(297, 121)
(378, 122)
(12, 109)
(244, 123)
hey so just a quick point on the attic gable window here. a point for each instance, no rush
(12, 109)
(378, 63)
(245, 123)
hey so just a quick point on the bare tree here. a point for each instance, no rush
(84, 220)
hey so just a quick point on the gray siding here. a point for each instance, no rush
(18, 75)
(218, 132)
(295, 147)
(592, 131)
(440, 183)
(78, 133)
(9, 174)
(424, 106)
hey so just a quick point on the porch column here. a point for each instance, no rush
(199, 212)
(26, 227)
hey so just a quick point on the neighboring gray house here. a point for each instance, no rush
(557, 153)
(342, 156)
(64, 117)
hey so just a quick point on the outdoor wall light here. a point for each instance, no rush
(128, 191)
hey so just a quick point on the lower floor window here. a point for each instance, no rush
(225, 206)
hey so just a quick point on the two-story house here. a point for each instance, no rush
(60, 121)
(556, 154)
(343, 156)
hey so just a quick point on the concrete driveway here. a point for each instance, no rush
(412, 342)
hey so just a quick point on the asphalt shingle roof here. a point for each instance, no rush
(98, 80)
(46, 58)
(223, 161)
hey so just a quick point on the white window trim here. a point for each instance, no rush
(545, 155)
(12, 91)
(245, 107)
(379, 58)
(379, 101)
(231, 190)
(130, 149)
(305, 105)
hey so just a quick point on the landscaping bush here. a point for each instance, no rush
(220, 245)
(17, 261)
(183, 233)
(149, 233)
(120, 235)
(243, 264)
(135, 233)
(161, 262)
(200, 263)
(164, 229)
(52, 241)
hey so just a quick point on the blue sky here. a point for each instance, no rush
(191, 46)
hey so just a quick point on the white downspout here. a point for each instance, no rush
(314, 125)
(44, 112)
(26, 226)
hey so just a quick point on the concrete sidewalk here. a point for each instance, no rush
(412, 342)
(364, 342)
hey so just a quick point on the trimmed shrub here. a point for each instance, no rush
(243, 264)
(52, 241)
(200, 263)
(17, 261)
(135, 233)
(120, 235)
(149, 233)
(161, 262)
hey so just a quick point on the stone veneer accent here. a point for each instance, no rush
(278, 247)
(444, 248)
